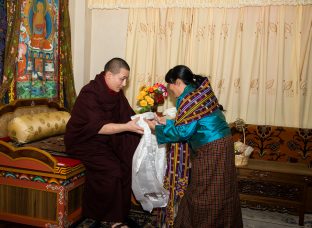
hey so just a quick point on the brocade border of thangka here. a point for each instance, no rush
(3, 28)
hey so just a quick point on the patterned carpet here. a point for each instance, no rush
(137, 219)
(251, 218)
(267, 219)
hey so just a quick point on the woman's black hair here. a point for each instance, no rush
(221, 108)
(185, 74)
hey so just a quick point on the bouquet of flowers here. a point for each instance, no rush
(151, 96)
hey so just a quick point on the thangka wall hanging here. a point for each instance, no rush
(37, 60)
(38, 52)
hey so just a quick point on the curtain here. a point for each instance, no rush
(258, 59)
(38, 52)
(117, 4)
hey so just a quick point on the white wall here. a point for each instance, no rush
(109, 31)
(78, 19)
(97, 36)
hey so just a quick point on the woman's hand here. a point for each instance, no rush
(154, 122)
(160, 119)
(151, 123)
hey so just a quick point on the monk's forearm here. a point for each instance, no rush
(113, 128)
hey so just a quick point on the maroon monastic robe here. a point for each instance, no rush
(107, 158)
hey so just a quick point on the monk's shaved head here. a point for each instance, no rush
(114, 65)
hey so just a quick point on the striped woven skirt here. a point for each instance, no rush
(212, 199)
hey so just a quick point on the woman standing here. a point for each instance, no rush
(212, 198)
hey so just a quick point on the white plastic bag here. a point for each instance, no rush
(148, 170)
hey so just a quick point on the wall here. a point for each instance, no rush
(97, 36)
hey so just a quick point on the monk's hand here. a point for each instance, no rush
(134, 127)
(151, 123)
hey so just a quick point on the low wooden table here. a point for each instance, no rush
(274, 185)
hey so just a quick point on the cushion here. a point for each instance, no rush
(31, 127)
(19, 111)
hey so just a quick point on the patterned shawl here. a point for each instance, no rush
(197, 104)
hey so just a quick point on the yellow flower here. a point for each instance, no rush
(149, 100)
(141, 95)
(143, 103)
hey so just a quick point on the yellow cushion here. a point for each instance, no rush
(31, 127)
(19, 111)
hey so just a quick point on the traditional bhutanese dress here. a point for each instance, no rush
(211, 198)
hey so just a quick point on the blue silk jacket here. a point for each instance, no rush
(196, 133)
